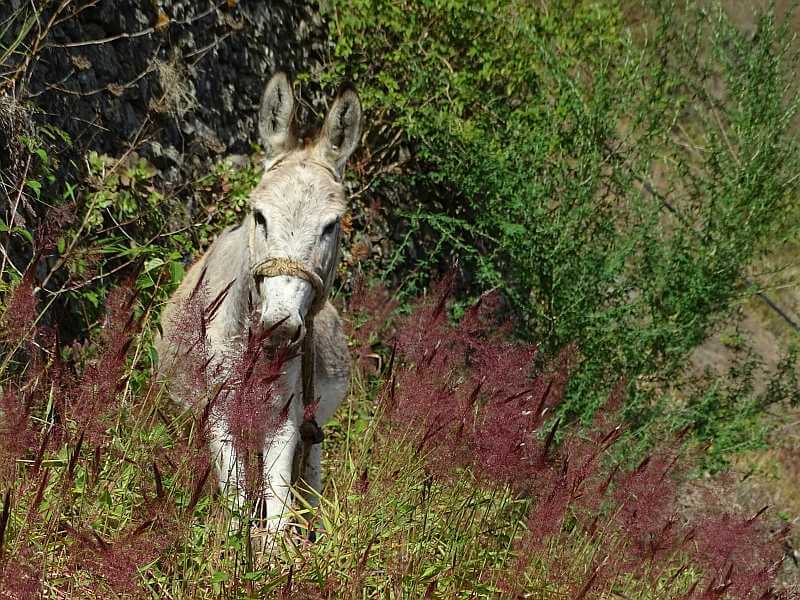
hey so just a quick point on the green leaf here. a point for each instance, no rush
(35, 186)
(153, 263)
(24, 233)
(177, 272)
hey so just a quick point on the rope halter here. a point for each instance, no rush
(289, 267)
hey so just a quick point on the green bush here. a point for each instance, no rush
(614, 180)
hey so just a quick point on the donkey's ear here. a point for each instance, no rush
(275, 116)
(342, 129)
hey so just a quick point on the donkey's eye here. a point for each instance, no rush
(261, 220)
(329, 228)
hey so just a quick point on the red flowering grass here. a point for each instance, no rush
(93, 396)
(17, 433)
(20, 311)
(736, 553)
(470, 394)
(248, 404)
(85, 403)
(194, 374)
(19, 577)
(116, 563)
(646, 507)
(21, 307)
(469, 398)
(87, 396)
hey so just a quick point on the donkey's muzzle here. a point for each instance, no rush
(286, 333)
(289, 267)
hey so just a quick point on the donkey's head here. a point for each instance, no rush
(296, 209)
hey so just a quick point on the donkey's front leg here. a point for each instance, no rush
(278, 457)
(273, 507)
(229, 469)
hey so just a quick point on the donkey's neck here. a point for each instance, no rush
(228, 265)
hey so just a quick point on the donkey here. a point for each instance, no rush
(280, 261)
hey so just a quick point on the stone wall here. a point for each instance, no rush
(178, 79)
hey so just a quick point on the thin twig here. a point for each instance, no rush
(111, 87)
(136, 34)
(112, 38)
(13, 215)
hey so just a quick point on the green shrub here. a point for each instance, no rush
(613, 180)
